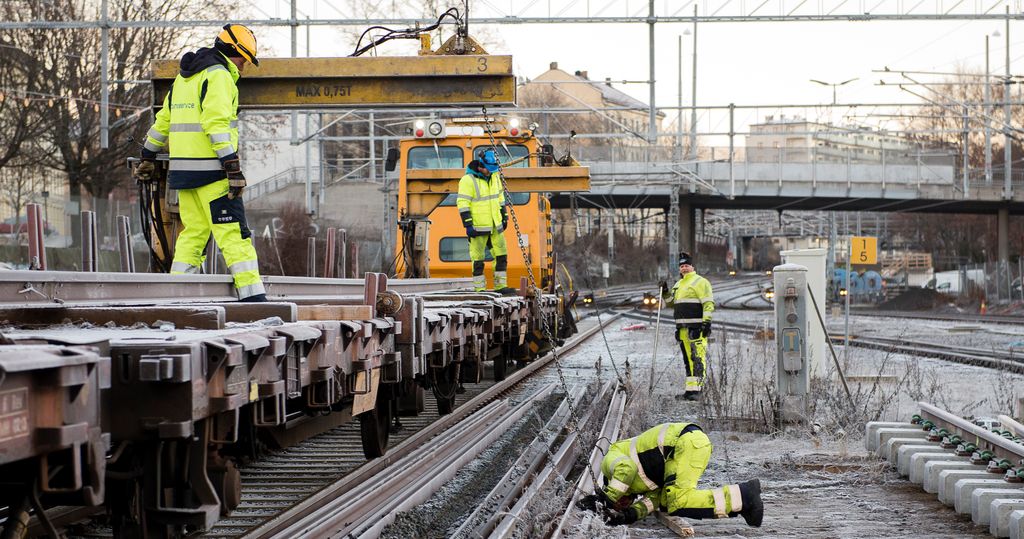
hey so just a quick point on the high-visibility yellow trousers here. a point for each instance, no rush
(694, 348)
(681, 497)
(205, 210)
(477, 253)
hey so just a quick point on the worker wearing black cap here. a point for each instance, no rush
(693, 302)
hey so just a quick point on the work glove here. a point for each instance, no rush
(144, 170)
(589, 503)
(504, 218)
(236, 180)
(472, 232)
(662, 287)
(705, 328)
(619, 518)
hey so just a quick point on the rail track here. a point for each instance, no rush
(954, 317)
(330, 511)
(280, 485)
(991, 359)
(185, 385)
(978, 471)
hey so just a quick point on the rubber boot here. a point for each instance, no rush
(753, 509)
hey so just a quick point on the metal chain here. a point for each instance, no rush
(589, 281)
(545, 327)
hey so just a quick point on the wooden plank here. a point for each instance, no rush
(335, 312)
(366, 402)
(182, 316)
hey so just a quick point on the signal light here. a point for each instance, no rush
(435, 128)
(514, 132)
(419, 132)
(843, 293)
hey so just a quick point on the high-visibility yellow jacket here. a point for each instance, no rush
(198, 120)
(644, 464)
(482, 199)
(692, 300)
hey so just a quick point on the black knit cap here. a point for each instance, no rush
(685, 258)
(475, 165)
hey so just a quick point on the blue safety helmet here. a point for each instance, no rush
(490, 161)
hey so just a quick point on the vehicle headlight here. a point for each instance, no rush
(435, 128)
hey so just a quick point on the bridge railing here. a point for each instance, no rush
(781, 168)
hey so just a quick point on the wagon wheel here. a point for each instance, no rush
(375, 427)
(446, 385)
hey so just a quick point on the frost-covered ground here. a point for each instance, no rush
(818, 480)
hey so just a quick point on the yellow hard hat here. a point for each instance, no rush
(242, 39)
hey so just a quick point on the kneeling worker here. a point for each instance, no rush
(481, 203)
(658, 470)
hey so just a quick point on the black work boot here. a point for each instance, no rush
(753, 509)
(258, 298)
(507, 291)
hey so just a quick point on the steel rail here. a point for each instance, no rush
(439, 472)
(559, 465)
(951, 317)
(609, 432)
(977, 358)
(511, 486)
(25, 287)
(376, 490)
(425, 480)
(285, 521)
(982, 437)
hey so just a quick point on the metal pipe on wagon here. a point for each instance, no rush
(89, 253)
(36, 248)
(343, 253)
(124, 244)
(355, 259)
(330, 254)
(212, 264)
(311, 256)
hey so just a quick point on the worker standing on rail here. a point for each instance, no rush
(199, 121)
(658, 470)
(693, 302)
(481, 203)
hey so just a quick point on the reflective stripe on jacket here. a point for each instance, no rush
(198, 121)
(692, 300)
(483, 198)
(636, 466)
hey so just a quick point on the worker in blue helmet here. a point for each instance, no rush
(481, 203)
(490, 160)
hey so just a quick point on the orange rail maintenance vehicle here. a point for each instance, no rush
(440, 149)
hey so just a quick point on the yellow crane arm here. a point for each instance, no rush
(345, 83)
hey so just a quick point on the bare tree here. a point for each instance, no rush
(21, 103)
(962, 238)
(18, 185)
